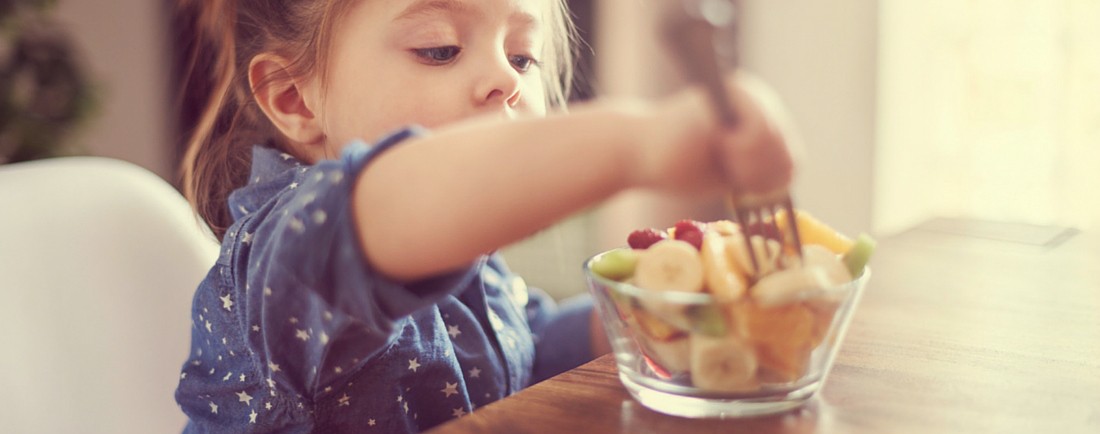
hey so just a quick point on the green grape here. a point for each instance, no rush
(616, 264)
(856, 258)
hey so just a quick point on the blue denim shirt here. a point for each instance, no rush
(294, 332)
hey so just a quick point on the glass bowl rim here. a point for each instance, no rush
(684, 297)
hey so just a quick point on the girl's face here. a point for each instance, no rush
(431, 62)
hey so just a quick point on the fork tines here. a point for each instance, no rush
(758, 218)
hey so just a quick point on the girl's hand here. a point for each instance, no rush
(685, 149)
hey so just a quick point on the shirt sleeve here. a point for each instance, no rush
(562, 333)
(325, 311)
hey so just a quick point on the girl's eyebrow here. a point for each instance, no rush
(457, 7)
(426, 7)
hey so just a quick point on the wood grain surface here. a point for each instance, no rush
(958, 332)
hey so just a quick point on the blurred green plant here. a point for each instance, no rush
(45, 94)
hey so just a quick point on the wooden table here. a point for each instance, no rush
(966, 327)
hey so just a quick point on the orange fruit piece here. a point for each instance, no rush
(823, 313)
(814, 231)
(782, 335)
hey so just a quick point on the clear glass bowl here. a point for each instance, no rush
(686, 354)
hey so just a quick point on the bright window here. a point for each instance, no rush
(988, 109)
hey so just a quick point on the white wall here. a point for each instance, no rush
(125, 47)
(821, 58)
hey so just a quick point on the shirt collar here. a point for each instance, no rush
(272, 171)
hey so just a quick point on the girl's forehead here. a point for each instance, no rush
(527, 11)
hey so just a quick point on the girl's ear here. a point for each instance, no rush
(287, 102)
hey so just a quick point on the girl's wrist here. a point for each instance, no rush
(673, 131)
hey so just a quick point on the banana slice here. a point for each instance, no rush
(816, 255)
(724, 280)
(723, 364)
(766, 249)
(670, 265)
(790, 285)
(821, 256)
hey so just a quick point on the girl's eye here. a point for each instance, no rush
(437, 55)
(523, 63)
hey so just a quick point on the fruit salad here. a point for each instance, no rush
(702, 316)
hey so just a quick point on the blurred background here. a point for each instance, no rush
(982, 109)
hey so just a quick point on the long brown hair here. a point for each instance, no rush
(229, 33)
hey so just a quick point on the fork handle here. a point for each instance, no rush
(692, 40)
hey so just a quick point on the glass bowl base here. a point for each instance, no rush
(716, 408)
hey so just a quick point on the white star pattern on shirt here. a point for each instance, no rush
(413, 364)
(319, 217)
(495, 321)
(267, 290)
(293, 185)
(246, 238)
(183, 375)
(458, 412)
(243, 396)
(213, 408)
(453, 331)
(406, 405)
(293, 320)
(242, 377)
(345, 401)
(227, 302)
(255, 328)
(267, 406)
(324, 338)
(208, 327)
(252, 417)
(226, 377)
(371, 422)
(296, 225)
(475, 373)
(302, 334)
(274, 367)
(285, 156)
(449, 389)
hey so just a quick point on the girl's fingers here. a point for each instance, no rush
(757, 154)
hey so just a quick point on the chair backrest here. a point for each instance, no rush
(98, 263)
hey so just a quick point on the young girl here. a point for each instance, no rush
(357, 289)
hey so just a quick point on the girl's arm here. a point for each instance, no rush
(436, 203)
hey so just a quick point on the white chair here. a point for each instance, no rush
(98, 262)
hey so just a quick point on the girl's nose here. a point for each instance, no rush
(498, 84)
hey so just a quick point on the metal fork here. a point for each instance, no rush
(690, 32)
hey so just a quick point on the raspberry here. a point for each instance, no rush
(685, 226)
(690, 231)
(694, 238)
(643, 238)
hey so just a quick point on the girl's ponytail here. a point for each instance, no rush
(218, 152)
